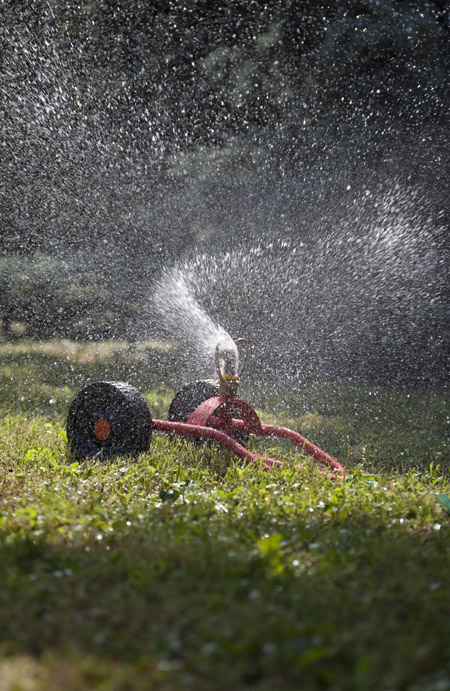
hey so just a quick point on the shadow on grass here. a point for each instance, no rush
(360, 607)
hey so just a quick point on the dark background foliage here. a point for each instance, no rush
(135, 131)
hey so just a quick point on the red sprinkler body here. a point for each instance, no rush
(213, 419)
(112, 418)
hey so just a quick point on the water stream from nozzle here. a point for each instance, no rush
(362, 299)
(188, 323)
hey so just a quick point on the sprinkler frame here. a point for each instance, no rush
(111, 418)
(213, 419)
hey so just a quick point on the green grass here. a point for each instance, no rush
(182, 569)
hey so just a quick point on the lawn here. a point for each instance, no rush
(183, 569)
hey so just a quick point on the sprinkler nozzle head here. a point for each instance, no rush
(227, 365)
(228, 360)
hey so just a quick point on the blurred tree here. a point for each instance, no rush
(132, 130)
(99, 96)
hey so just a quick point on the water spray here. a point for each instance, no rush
(112, 418)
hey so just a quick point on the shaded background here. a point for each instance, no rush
(138, 134)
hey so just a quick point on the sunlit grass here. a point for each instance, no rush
(83, 352)
(183, 569)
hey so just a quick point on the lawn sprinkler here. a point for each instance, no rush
(109, 419)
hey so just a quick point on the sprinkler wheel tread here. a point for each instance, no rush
(110, 419)
(188, 398)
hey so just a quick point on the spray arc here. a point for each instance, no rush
(112, 418)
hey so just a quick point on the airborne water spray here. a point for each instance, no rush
(186, 321)
(359, 300)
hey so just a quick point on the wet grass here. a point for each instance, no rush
(181, 569)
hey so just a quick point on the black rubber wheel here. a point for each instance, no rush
(110, 419)
(188, 398)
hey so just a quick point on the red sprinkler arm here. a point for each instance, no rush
(218, 411)
(197, 432)
(213, 419)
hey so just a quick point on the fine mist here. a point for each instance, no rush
(293, 193)
(358, 295)
(187, 322)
